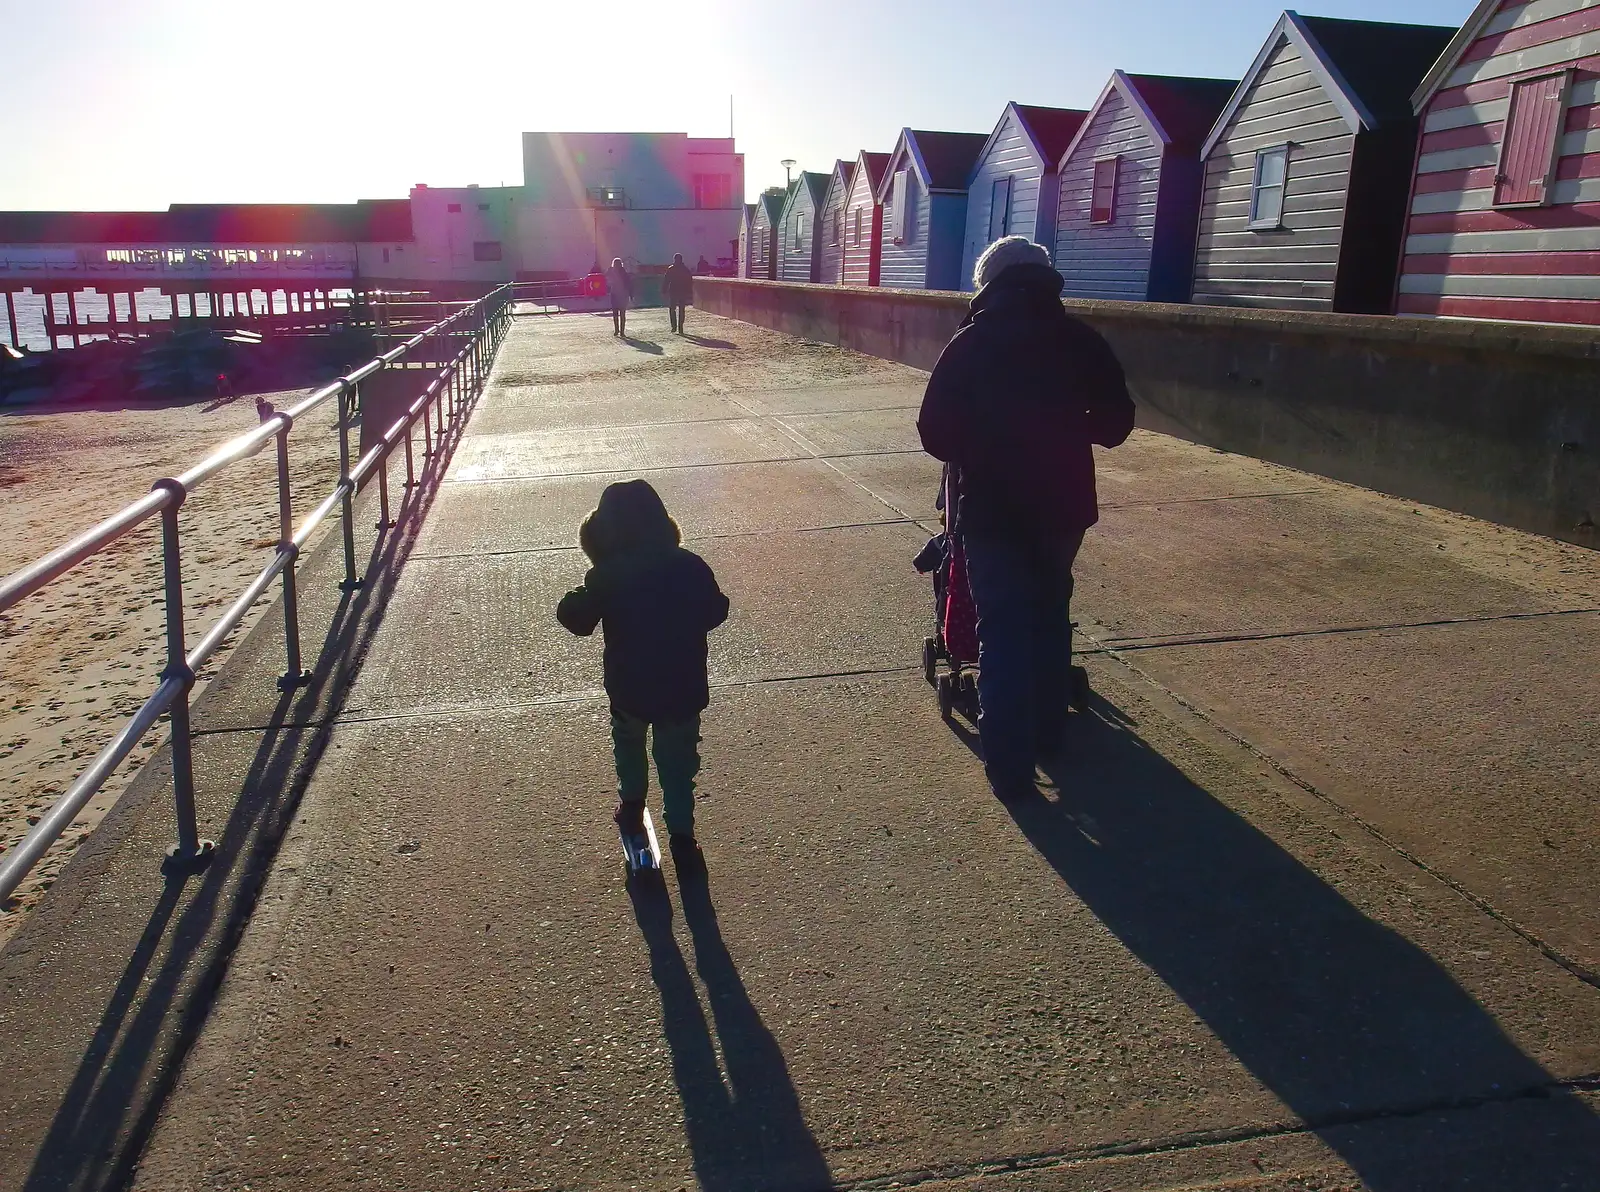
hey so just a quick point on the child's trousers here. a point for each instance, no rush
(677, 753)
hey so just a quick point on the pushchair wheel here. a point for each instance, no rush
(946, 686)
(930, 658)
(967, 684)
(1080, 689)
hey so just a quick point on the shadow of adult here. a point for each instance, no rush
(743, 1118)
(643, 345)
(1344, 1019)
(701, 341)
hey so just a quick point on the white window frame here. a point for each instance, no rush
(899, 226)
(1259, 222)
(1115, 162)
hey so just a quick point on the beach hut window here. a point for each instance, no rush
(899, 226)
(1000, 208)
(1266, 196)
(453, 208)
(1534, 123)
(855, 237)
(1103, 195)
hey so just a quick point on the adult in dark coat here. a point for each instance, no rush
(677, 287)
(1015, 402)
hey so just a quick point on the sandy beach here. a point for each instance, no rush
(77, 658)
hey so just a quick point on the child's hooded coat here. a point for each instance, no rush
(655, 600)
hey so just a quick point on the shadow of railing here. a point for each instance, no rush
(111, 1105)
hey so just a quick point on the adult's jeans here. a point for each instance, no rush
(676, 746)
(1023, 592)
(675, 313)
(619, 320)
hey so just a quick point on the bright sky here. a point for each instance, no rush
(109, 104)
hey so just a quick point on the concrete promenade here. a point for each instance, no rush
(1314, 904)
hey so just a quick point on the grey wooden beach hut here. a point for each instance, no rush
(764, 227)
(1012, 190)
(1308, 167)
(799, 244)
(830, 268)
(1129, 188)
(924, 199)
(746, 240)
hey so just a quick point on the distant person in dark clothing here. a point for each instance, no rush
(702, 266)
(656, 602)
(677, 287)
(1013, 405)
(619, 284)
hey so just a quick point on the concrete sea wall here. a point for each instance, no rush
(1497, 420)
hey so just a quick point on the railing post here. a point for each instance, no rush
(190, 853)
(347, 502)
(294, 675)
(411, 470)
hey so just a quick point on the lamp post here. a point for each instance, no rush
(788, 165)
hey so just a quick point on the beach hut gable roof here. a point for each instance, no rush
(943, 160)
(1174, 110)
(1047, 131)
(1363, 67)
(1445, 64)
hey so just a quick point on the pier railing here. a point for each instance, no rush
(462, 346)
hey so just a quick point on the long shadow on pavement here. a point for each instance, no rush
(1344, 1019)
(112, 1103)
(745, 1126)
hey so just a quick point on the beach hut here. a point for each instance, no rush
(863, 221)
(746, 222)
(1129, 188)
(830, 269)
(800, 225)
(924, 199)
(1013, 186)
(1308, 167)
(1505, 204)
(764, 228)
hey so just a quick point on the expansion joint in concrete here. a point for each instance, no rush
(1201, 1139)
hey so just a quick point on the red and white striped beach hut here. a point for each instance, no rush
(1504, 220)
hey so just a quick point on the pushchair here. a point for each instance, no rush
(955, 629)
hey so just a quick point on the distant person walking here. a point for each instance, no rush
(619, 284)
(655, 603)
(1013, 405)
(677, 287)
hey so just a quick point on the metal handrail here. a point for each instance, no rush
(483, 325)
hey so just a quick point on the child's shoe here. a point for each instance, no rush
(630, 816)
(686, 854)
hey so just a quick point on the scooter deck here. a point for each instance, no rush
(641, 849)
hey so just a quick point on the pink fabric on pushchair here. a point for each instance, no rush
(960, 614)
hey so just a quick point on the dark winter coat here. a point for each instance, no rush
(656, 608)
(677, 285)
(1014, 403)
